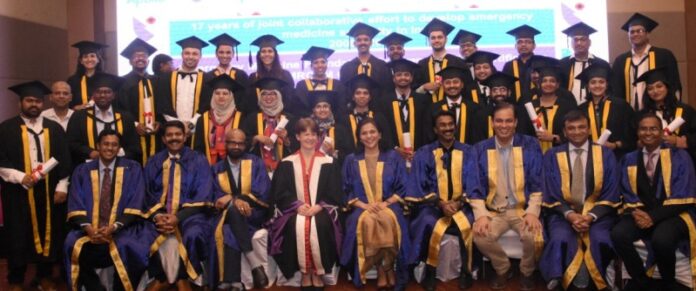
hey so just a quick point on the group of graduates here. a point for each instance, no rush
(172, 175)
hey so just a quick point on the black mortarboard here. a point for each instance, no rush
(32, 88)
(86, 47)
(270, 83)
(499, 79)
(394, 38)
(652, 76)
(524, 31)
(192, 42)
(642, 20)
(224, 39)
(480, 57)
(362, 81)
(437, 25)
(579, 28)
(539, 61)
(452, 72)
(267, 40)
(464, 36)
(403, 65)
(328, 96)
(226, 82)
(100, 80)
(597, 70)
(316, 52)
(549, 71)
(137, 45)
(362, 28)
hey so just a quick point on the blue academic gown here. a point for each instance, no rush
(253, 188)
(130, 247)
(676, 185)
(391, 173)
(527, 158)
(563, 256)
(430, 186)
(195, 180)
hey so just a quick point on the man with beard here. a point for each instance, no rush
(135, 92)
(643, 57)
(225, 50)
(500, 86)
(519, 66)
(31, 197)
(105, 204)
(241, 193)
(510, 172)
(185, 93)
(436, 31)
(573, 66)
(463, 108)
(60, 98)
(445, 174)
(318, 57)
(482, 63)
(179, 186)
(394, 46)
(85, 125)
(365, 62)
(466, 40)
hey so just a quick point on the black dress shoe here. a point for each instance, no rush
(259, 276)
(429, 280)
(465, 281)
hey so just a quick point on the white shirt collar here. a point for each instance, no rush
(499, 146)
(450, 101)
(102, 166)
(645, 52)
(645, 150)
(585, 147)
(98, 112)
(177, 156)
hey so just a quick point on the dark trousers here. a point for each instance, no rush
(96, 256)
(15, 274)
(663, 237)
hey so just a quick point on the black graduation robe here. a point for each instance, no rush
(288, 91)
(427, 73)
(351, 123)
(378, 70)
(79, 89)
(615, 115)
(552, 119)
(303, 104)
(419, 118)
(567, 65)
(204, 127)
(520, 70)
(166, 88)
(688, 129)
(82, 135)
(242, 99)
(252, 127)
(29, 236)
(657, 58)
(465, 131)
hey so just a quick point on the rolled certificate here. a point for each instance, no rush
(407, 145)
(674, 125)
(327, 139)
(536, 121)
(604, 137)
(281, 125)
(43, 169)
(89, 104)
(147, 113)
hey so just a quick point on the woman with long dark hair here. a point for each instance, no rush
(268, 66)
(89, 62)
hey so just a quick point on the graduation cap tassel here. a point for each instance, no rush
(348, 42)
(236, 53)
(250, 61)
(385, 52)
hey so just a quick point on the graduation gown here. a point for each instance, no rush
(657, 58)
(130, 245)
(563, 255)
(200, 140)
(245, 102)
(82, 135)
(430, 185)
(418, 123)
(302, 102)
(166, 88)
(131, 100)
(427, 73)
(377, 70)
(392, 179)
(551, 118)
(674, 184)
(466, 127)
(232, 230)
(520, 70)
(351, 123)
(293, 237)
(342, 141)
(193, 176)
(79, 88)
(615, 115)
(254, 124)
(567, 66)
(288, 91)
(32, 221)
(688, 129)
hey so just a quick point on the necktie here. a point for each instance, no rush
(105, 199)
(365, 69)
(37, 140)
(650, 167)
(170, 189)
(578, 181)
